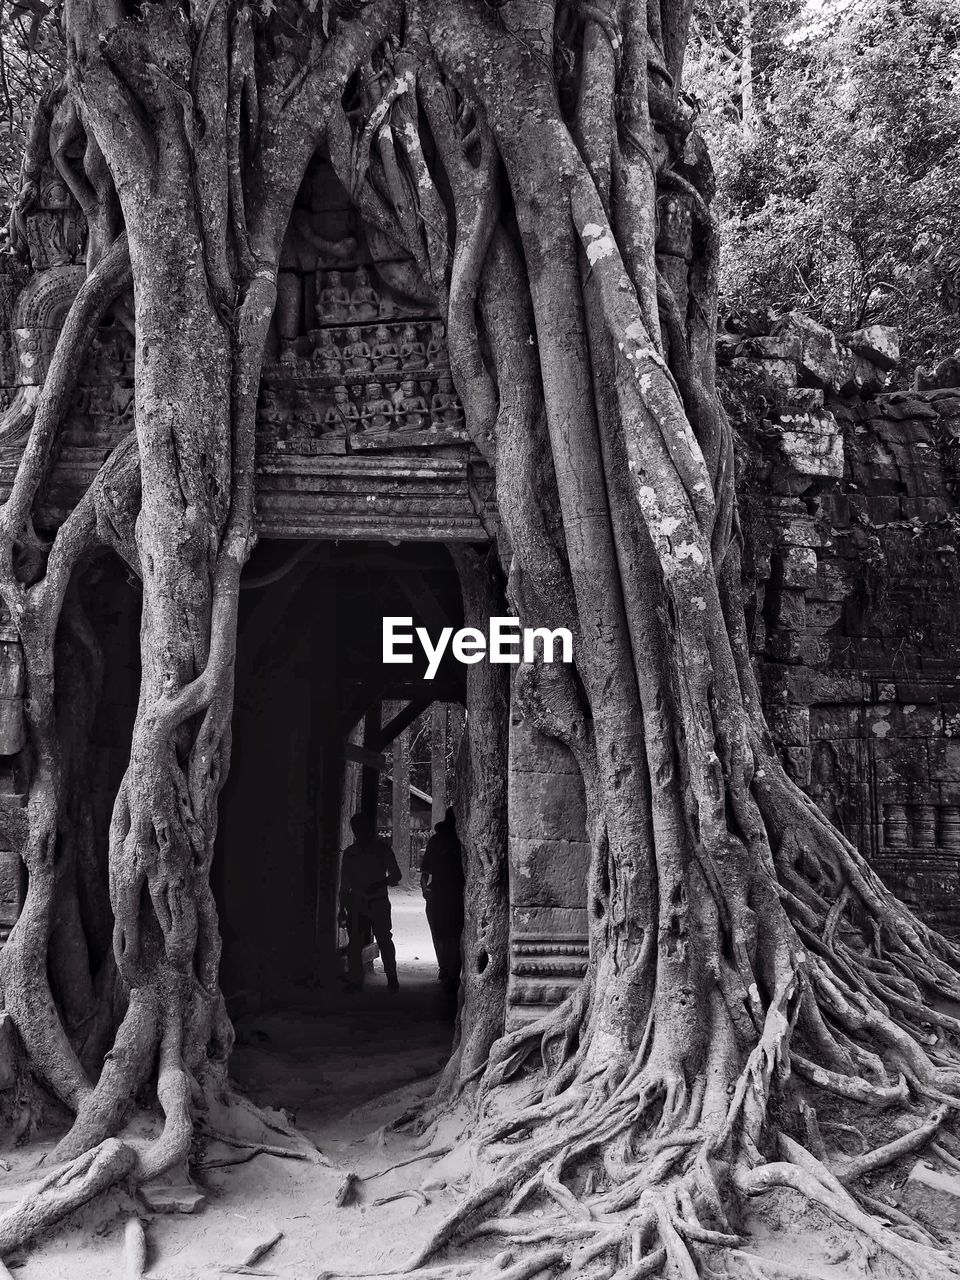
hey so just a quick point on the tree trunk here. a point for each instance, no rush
(482, 819)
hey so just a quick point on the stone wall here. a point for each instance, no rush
(850, 501)
(549, 857)
(849, 496)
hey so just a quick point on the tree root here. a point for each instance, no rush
(871, 1161)
(434, 1154)
(134, 1250)
(265, 1148)
(670, 1200)
(66, 1190)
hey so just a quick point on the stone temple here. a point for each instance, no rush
(850, 497)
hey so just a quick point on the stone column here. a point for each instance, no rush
(549, 861)
(438, 760)
(369, 775)
(401, 799)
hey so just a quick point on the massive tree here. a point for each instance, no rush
(540, 164)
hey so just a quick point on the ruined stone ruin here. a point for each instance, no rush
(366, 477)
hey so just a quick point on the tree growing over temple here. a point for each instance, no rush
(540, 164)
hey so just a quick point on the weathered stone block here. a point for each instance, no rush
(546, 806)
(811, 443)
(859, 375)
(919, 721)
(13, 731)
(901, 404)
(11, 887)
(920, 691)
(533, 752)
(185, 1199)
(790, 609)
(783, 346)
(790, 725)
(822, 615)
(806, 399)
(10, 1052)
(799, 567)
(548, 873)
(933, 1196)
(802, 531)
(784, 646)
(903, 759)
(835, 581)
(944, 755)
(779, 377)
(796, 761)
(878, 343)
(819, 359)
(833, 723)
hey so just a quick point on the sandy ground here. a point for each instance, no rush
(328, 1060)
(344, 1066)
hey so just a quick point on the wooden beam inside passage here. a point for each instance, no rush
(403, 719)
(370, 773)
(360, 755)
(401, 798)
(438, 760)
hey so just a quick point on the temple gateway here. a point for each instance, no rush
(367, 482)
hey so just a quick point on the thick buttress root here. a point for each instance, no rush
(177, 504)
(629, 1170)
(634, 1172)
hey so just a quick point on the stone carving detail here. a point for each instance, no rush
(13, 731)
(50, 223)
(358, 357)
(38, 316)
(375, 380)
(11, 890)
(545, 969)
(549, 856)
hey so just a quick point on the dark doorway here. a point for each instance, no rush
(316, 714)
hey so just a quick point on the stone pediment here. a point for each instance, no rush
(357, 364)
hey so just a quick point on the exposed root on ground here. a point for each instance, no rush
(612, 1165)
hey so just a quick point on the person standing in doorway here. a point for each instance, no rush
(441, 880)
(367, 872)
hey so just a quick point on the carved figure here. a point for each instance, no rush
(411, 411)
(378, 413)
(446, 405)
(364, 302)
(437, 346)
(356, 356)
(326, 354)
(333, 300)
(412, 352)
(270, 415)
(343, 415)
(386, 357)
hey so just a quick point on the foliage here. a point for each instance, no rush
(841, 193)
(31, 57)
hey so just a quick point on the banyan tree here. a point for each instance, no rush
(538, 163)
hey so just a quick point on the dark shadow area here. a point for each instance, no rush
(322, 728)
(318, 725)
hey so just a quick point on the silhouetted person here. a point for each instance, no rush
(368, 869)
(441, 879)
